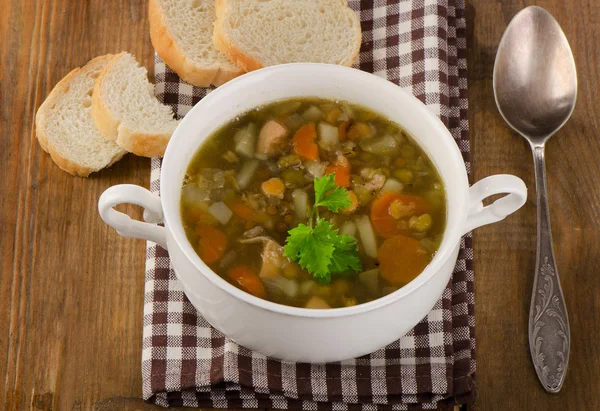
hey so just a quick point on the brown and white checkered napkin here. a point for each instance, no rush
(419, 45)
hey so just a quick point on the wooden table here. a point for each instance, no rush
(71, 289)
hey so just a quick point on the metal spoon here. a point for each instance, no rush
(535, 85)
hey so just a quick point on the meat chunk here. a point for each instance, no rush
(376, 182)
(273, 260)
(271, 139)
(253, 232)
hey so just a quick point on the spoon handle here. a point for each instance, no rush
(549, 335)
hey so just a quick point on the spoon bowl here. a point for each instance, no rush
(535, 80)
(535, 86)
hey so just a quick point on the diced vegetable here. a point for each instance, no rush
(291, 160)
(401, 259)
(317, 303)
(315, 168)
(376, 182)
(231, 157)
(352, 208)
(384, 223)
(244, 177)
(198, 213)
(245, 212)
(343, 131)
(245, 140)
(328, 136)
(341, 167)
(273, 187)
(304, 142)
(221, 212)
(364, 196)
(392, 186)
(358, 131)
(382, 146)
(312, 114)
(271, 139)
(247, 279)
(348, 228)
(404, 175)
(340, 287)
(212, 244)
(307, 286)
(283, 285)
(333, 115)
(294, 121)
(291, 271)
(421, 223)
(367, 236)
(301, 207)
(192, 194)
(370, 279)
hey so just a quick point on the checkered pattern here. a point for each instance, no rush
(419, 45)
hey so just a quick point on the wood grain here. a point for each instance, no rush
(71, 290)
(505, 252)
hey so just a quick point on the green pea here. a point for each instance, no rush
(404, 175)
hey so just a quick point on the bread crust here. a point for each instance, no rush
(41, 125)
(246, 61)
(144, 145)
(141, 144)
(169, 51)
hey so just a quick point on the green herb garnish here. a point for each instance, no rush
(317, 247)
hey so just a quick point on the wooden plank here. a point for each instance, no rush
(505, 252)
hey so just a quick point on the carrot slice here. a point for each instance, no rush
(384, 223)
(304, 142)
(240, 209)
(273, 187)
(247, 280)
(195, 215)
(341, 167)
(401, 259)
(212, 243)
(359, 131)
(352, 208)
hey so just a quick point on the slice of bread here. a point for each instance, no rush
(181, 33)
(260, 33)
(126, 111)
(65, 128)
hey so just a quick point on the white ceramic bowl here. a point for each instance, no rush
(299, 334)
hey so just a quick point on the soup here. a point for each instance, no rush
(313, 203)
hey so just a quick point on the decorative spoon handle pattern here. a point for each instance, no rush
(549, 335)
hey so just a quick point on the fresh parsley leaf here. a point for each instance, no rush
(323, 186)
(306, 247)
(294, 244)
(345, 256)
(329, 195)
(321, 250)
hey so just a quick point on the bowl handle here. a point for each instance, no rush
(125, 226)
(478, 215)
